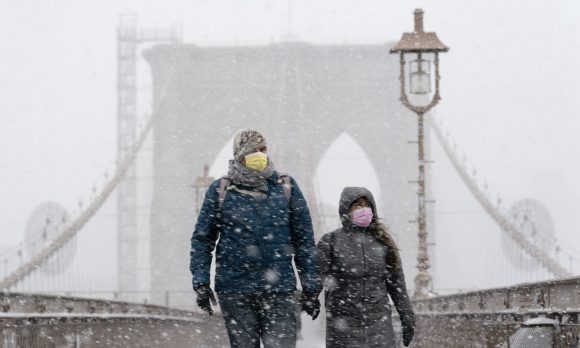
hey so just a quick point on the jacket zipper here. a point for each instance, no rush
(364, 286)
(259, 233)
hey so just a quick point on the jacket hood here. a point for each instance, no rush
(348, 196)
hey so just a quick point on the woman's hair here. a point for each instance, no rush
(381, 232)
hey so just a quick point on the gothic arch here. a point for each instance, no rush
(302, 97)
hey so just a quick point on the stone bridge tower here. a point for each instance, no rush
(302, 97)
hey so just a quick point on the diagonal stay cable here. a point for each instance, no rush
(70, 231)
(504, 223)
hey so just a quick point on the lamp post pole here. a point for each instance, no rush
(419, 43)
(422, 279)
(200, 185)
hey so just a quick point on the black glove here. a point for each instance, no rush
(310, 304)
(408, 333)
(204, 296)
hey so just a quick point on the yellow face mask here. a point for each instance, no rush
(257, 161)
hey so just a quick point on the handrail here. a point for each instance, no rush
(537, 297)
(22, 303)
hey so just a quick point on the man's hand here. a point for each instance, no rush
(408, 333)
(204, 296)
(310, 304)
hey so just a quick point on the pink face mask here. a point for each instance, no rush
(362, 217)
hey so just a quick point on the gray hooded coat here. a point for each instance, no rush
(359, 277)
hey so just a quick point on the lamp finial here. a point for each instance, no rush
(418, 20)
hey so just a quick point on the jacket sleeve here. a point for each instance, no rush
(324, 259)
(302, 238)
(398, 292)
(204, 238)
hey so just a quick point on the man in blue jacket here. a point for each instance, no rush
(262, 221)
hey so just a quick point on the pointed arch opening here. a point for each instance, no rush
(344, 163)
(220, 164)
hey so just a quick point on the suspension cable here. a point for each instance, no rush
(71, 230)
(504, 223)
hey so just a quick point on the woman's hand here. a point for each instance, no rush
(310, 304)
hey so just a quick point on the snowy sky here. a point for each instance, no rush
(510, 86)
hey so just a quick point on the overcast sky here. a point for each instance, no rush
(510, 86)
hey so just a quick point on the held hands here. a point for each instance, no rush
(204, 296)
(408, 333)
(310, 304)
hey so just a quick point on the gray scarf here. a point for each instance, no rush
(242, 175)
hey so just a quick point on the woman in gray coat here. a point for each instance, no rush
(361, 268)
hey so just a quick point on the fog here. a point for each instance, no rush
(509, 87)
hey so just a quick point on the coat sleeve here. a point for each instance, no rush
(398, 292)
(302, 238)
(324, 258)
(204, 237)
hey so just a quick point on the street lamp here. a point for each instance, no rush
(420, 46)
(200, 185)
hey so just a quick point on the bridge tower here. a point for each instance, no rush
(303, 97)
(126, 133)
(129, 37)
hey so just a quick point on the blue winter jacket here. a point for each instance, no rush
(257, 240)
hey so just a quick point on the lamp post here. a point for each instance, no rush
(417, 45)
(200, 185)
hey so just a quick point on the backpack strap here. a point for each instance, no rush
(286, 185)
(225, 181)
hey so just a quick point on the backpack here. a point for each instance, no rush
(226, 181)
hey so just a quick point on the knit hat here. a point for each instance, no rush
(246, 142)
